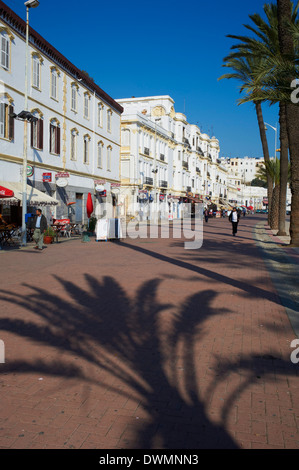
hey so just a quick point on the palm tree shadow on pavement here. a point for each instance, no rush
(146, 346)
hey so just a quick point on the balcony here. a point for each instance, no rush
(162, 157)
(146, 151)
(188, 189)
(198, 170)
(148, 181)
(163, 184)
(185, 165)
(208, 174)
(198, 149)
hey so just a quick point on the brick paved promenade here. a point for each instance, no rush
(142, 344)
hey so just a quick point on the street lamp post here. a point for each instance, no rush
(275, 130)
(29, 4)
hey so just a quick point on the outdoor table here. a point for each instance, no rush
(6, 234)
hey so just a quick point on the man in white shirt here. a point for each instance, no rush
(234, 219)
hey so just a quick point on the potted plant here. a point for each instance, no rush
(49, 235)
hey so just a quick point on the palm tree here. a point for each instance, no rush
(265, 45)
(243, 71)
(273, 168)
(289, 52)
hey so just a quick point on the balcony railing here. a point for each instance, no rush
(162, 157)
(148, 180)
(185, 165)
(146, 151)
(163, 184)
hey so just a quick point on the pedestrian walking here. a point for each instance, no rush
(206, 214)
(39, 225)
(234, 218)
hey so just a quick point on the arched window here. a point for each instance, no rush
(86, 143)
(125, 137)
(5, 51)
(6, 119)
(37, 130)
(37, 60)
(109, 120)
(6, 37)
(73, 148)
(100, 154)
(54, 82)
(74, 95)
(100, 114)
(54, 137)
(86, 105)
(109, 152)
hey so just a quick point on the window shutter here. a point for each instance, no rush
(40, 130)
(3, 52)
(50, 143)
(2, 119)
(58, 140)
(11, 123)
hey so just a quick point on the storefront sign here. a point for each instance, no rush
(30, 171)
(161, 197)
(62, 174)
(96, 182)
(47, 177)
(115, 185)
(100, 188)
(62, 182)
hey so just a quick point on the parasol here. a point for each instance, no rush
(4, 192)
(89, 205)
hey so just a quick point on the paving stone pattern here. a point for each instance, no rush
(141, 344)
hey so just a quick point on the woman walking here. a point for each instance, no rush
(234, 219)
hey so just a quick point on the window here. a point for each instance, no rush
(73, 153)
(109, 115)
(6, 121)
(100, 154)
(86, 149)
(36, 71)
(37, 131)
(109, 149)
(5, 51)
(100, 115)
(54, 80)
(54, 137)
(86, 105)
(74, 98)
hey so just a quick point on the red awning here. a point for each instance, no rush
(4, 192)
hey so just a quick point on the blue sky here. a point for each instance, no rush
(145, 48)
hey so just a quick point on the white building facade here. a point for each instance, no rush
(165, 159)
(76, 134)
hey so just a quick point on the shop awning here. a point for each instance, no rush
(34, 196)
(5, 192)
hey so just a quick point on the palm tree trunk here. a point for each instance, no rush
(261, 124)
(274, 213)
(284, 169)
(284, 9)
